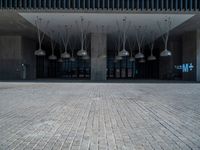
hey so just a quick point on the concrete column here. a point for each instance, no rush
(15, 51)
(98, 56)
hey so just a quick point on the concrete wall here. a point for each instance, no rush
(14, 51)
(167, 64)
(98, 56)
(28, 58)
(190, 54)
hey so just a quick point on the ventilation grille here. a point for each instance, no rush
(143, 5)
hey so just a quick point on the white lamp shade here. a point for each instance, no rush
(165, 53)
(52, 57)
(151, 58)
(40, 52)
(123, 53)
(139, 55)
(82, 52)
(65, 55)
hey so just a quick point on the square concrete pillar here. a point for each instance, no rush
(98, 56)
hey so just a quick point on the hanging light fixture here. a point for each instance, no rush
(165, 53)
(165, 37)
(124, 52)
(72, 46)
(60, 60)
(152, 57)
(65, 40)
(139, 55)
(53, 44)
(40, 35)
(140, 39)
(40, 52)
(131, 59)
(118, 45)
(52, 57)
(131, 46)
(65, 55)
(82, 52)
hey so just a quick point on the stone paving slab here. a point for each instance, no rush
(99, 116)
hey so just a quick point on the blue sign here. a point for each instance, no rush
(185, 67)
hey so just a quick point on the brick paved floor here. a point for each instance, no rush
(91, 116)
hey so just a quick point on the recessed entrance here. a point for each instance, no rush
(105, 46)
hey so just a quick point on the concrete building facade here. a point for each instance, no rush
(19, 41)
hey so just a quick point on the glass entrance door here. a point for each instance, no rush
(122, 69)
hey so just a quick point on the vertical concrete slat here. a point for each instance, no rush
(69, 4)
(117, 4)
(195, 5)
(157, 4)
(181, 5)
(172, 4)
(11, 5)
(1, 4)
(39, 4)
(186, 4)
(142, 8)
(133, 4)
(25, 4)
(15, 4)
(44, 4)
(147, 5)
(83, 4)
(176, 5)
(198, 57)
(152, 4)
(162, 5)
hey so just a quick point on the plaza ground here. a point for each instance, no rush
(91, 116)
